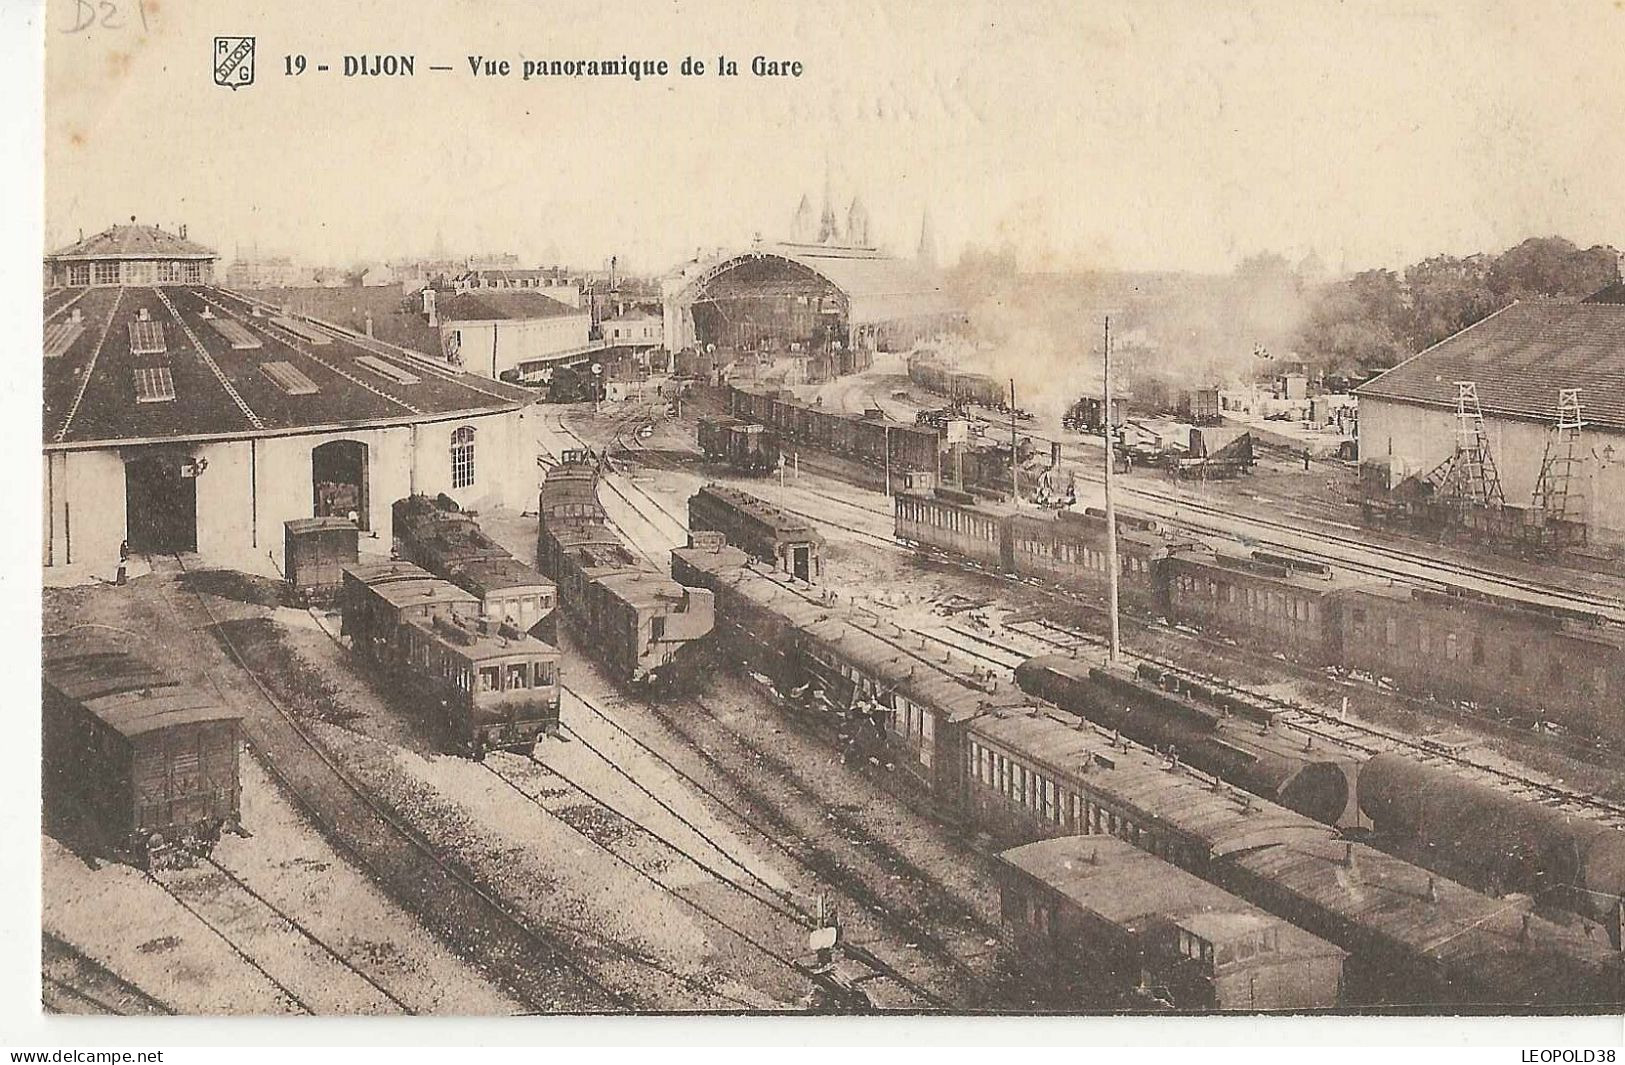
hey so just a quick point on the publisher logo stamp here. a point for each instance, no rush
(234, 61)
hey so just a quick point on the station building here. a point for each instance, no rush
(182, 417)
(1519, 361)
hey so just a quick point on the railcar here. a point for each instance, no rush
(1541, 665)
(763, 531)
(147, 766)
(1017, 768)
(448, 542)
(640, 623)
(491, 685)
(870, 437)
(1274, 604)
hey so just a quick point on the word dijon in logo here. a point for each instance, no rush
(234, 61)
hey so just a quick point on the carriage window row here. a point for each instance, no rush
(1091, 558)
(1251, 599)
(1516, 665)
(1057, 804)
(948, 518)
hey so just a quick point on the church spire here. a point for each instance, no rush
(927, 252)
(829, 230)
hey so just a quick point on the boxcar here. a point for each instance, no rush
(314, 554)
(1097, 923)
(147, 764)
(763, 531)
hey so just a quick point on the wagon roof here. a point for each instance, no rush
(309, 525)
(128, 695)
(640, 587)
(1461, 929)
(419, 591)
(1134, 890)
(481, 647)
(382, 572)
(780, 520)
(487, 575)
(1223, 818)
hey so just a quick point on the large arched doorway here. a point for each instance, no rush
(160, 500)
(338, 475)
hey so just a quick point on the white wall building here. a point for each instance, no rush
(1518, 359)
(186, 418)
(503, 331)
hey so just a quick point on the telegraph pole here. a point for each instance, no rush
(1115, 651)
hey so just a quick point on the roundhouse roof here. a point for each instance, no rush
(112, 376)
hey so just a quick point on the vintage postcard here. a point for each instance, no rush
(1036, 508)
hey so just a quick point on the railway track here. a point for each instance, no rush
(534, 965)
(71, 982)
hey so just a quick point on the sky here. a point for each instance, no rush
(1083, 136)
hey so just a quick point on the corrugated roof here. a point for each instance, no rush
(1520, 357)
(1614, 293)
(132, 242)
(500, 304)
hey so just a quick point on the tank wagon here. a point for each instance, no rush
(761, 530)
(1564, 667)
(490, 686)
(743, 446)
(1240, 743)
(1019, 769)
(1516, 845)
(644, 626)
(448, 542)
(146, 766)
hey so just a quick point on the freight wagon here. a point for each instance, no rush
(744, 446)
(761, 530)
(147, 766)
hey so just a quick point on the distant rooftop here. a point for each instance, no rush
(133, 242)
(501, 304)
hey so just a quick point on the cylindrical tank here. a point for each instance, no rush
(1494, 840)
(1313, 782)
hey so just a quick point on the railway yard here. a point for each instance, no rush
(676, 848)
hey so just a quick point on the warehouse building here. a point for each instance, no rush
(1519, 363)
(186, 418)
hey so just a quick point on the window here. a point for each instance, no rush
(1450, 651)
(79, 275)
(490, 679)
(1478, 650)
(518, 676)
(1391, 631)
(462, 457)
(107, 273)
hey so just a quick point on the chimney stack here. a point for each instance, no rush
(183, 230)
(369, 323)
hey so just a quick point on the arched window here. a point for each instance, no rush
(462, 457)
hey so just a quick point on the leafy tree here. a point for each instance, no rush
(1446, 296)
(1357, 323)
(1552, 266)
